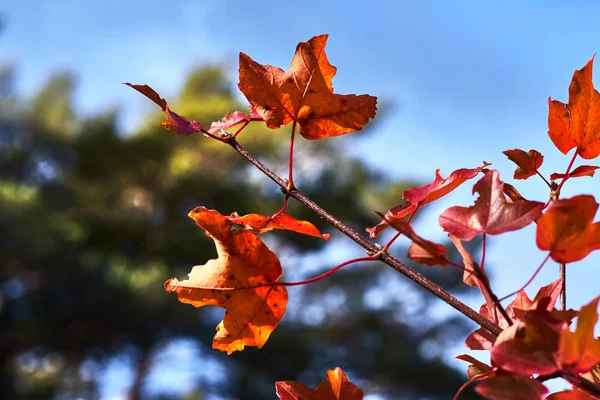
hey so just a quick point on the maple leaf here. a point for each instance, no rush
(476, 367)
(304, 94)
(482, 339)
(421, 251)
(174, 122)
(579, 351)
(582, 170)
(527, 163)
(233, 119)
(567, 229)
(491, 214)
(577, 123)
(420, 196)
(511, 387)
(573, 394)
(261, 223)
(233, 281)
(335, 386)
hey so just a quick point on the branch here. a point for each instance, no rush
(367, 245)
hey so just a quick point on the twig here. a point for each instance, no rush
(370, 247)
(563, 294)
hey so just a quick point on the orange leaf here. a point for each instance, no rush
(579, 351)
(527, 163)
(476, 367)
(230, 281)
(335, 386)
(577, 124)
(394, 214)
(574, 394)
(491, 214)
(567, 229)
(174, 122)
(582, 170)
(261, 223)
(304, 94)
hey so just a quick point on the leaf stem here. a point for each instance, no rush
(530, 279)
(369, 246)
(326, 274)
(544, 179)
(291, 185)
(278, 213)
(563, 293)
(557, 191)
(241, 128)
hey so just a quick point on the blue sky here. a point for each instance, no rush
(468, 79)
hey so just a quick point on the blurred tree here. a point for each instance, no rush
(94, 221)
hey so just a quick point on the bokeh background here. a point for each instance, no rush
(94, 195)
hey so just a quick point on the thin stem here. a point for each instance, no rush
(545, 180)
(291, 185)
(397, 235)
(530, 279)
(285, 205)
(210, 135)
(370, 247)
(482, 262)
(326, 274)
(241, 128)
(557, 191)
(563, 293)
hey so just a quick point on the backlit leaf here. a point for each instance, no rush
(261, 223)
(577, 123)
(580, 350)
(527, 163)
(336, 386)
(230, 281)
(304, 94)
(567, 229)
(582, 170)
(233, 119)
(511, 387)
(491, 214)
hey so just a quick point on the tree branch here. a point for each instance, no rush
(371, 248)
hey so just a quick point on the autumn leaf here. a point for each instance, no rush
(304, 94)
(174, 122)
(577, 123)
(582, 170)
(421, 251)
(567, 229)
(491, 214)
(336, 386)
(261, 223)
(573, 394)
(233, 281)
(482, 339)
(233, 119)
(580, 350)
(476, 367)
(511, 387)
(527, 163)
(420, 196)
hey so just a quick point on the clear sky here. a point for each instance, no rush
(467, 79)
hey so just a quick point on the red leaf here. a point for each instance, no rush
(582, 170)
(574, 394)
(174, 122)
(304, 94)
(577, 124)
(440, 186)
(425, 194)
(580, 350)
(233, 119)
(394, 214)
(336, 386)
(567, 229)
(476, 368)
(261, 223)
(491, 214)
(481, 339)
(511, 387)
(527, 163)
(240, 280)
(421, 251)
